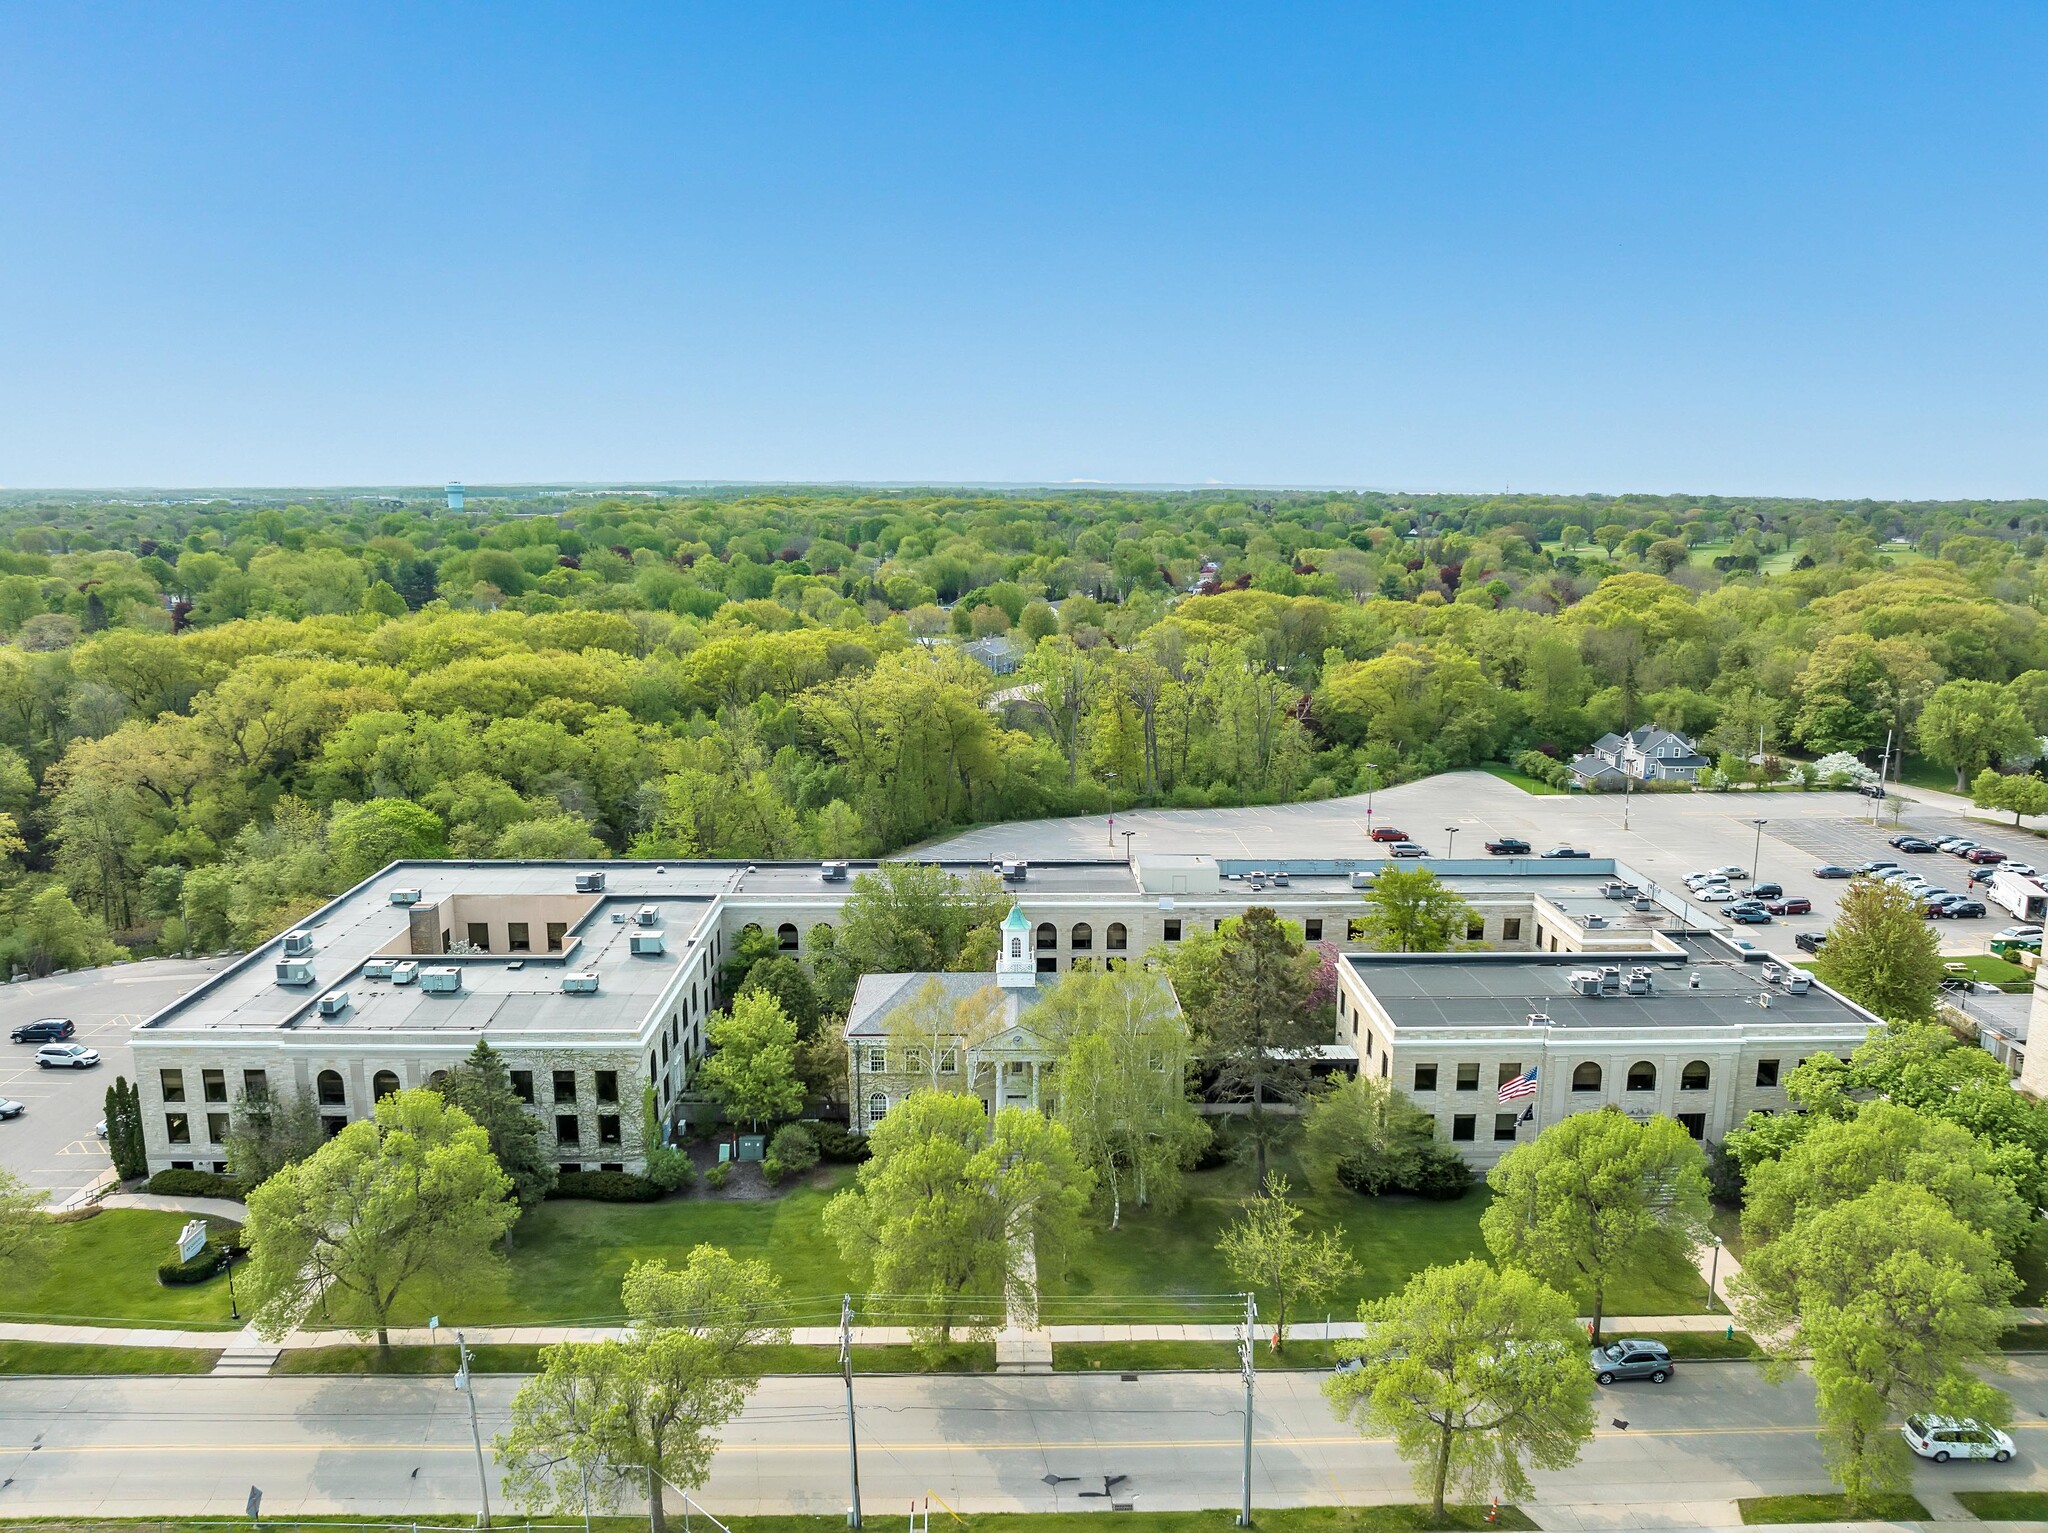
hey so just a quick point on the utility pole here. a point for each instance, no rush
(1247, 1355)
(1757, 852)
(466, 1382)
(852, 1438)
(1883, 763)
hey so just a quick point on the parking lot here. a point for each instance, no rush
(52, 1145)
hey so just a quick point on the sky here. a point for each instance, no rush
(1736, 249)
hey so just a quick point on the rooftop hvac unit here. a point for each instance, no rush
(405, 973)
(379, 968)
(441, 981)
(832, 872)
(1584, 981)
(1640, 981)
(645, 943)
(405, 896)
(295, 971)
(1016, 872)
(1279, 880)
(647, 915)
(1362, 879)
(590, 883)
(579, 984)
(1798, 983)
(298, 943)
(1610, 980)
(333, 1004)
(1539, 1019)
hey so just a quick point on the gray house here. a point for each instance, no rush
(1648, 754)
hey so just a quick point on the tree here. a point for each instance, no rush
(365, 837)
(482, 1087)
(1411, 910)
(1594, 1193)
(390, 1204)
(914, 917)
(1248, 993)
(125, 1145)
(602, 1419)
(267, 1132)
(752, 1071)
(1363, 1134)
(2017, 795)
(1897, 1302)
(1880, 953)
(1966, 725)
(937, 1034)
(950, 1213)
(25, 1230)
(784, 978)
(1472, 1372)
(1120, 1073)
(59, 936)
(1269, 1252)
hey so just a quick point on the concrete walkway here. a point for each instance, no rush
(198, 1208)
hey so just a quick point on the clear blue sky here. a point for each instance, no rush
(1794, 248)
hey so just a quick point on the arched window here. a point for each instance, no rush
(878, 1106)
(749, 932)
(438, 1079)
(1586, 1077)
(1048, 936)
(1116, 939)
(332, 1092)
(383, 1084)
(1083, 937)
(1642, 1076)
(1016, 947)
(785, 938)
(1694, 1077)
(822, 932)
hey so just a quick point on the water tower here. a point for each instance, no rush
(455, 495)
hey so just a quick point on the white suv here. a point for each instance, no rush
(1942, 1438)
(66, 1056)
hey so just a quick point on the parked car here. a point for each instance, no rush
(1966, 909)
(66, 1056)
(1871, 790)
(1983, 854)
(1942, 1438)
(1509, 846)
(1749, 915)
(1833, 870)
(1876, 865)
(1912, 843)
(1406, 849)
(1790, 905)
(1983, 875)
(1733, 870)
(9, 1108)
(1632, 1357)
(1715, 894)
(1566, 851)
(2018, 931)
(1388, 833)
(2021, 868)
(1765, 891)
(47, 1030)
(1810, 942)
(1956, 846)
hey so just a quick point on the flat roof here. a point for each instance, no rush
(1493, 991)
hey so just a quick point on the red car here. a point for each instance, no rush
(1388, 833)
(1983, 854)
(1792, 905)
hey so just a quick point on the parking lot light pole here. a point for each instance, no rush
(1757, 852)
(1451, 850)
(1714, 1276)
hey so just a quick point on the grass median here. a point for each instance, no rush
(358, 1358)
(2005, 1505)
(102, 1271)
(27, 1357)
(1833, 1507)
(1300, 1519)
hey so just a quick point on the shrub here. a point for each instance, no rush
(791, 1152)
(838, 1145)
(174, 1273)
(718, 1175)
(194, 1184)
(1443, 1176)
(605, 1187)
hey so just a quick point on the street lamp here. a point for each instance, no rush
(1372, 779)
(1757, 852)
(1714, 1276)
(1451, 849)
(1127, 846)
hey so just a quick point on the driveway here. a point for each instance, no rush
(52, 1145)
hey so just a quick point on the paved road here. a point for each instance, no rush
(115, 1447)
(52, 1145)
(1662, 836)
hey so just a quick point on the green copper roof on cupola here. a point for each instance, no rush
(1015, 921)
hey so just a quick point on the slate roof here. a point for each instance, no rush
(878, 996)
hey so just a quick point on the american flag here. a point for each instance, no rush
(1520, 1086)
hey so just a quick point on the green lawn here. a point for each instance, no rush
(1919, 772)
(23, 1357)
(102, 1271)
(1993, 971)
(365, 1358)
(1829, 1508)
(1183, 1356)
(1294, 1519)
(1391, 1239)
(1522, 780)
(2005, 1505)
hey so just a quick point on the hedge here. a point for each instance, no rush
(837, 1144)
(173, 1274)
(194, 1184)
(605, 1187)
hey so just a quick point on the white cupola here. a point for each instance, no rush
(1016, 963)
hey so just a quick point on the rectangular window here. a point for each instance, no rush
(1475, 931)
(1048, 963)
(516, 939)
(1173, 931)
(522, 1086)
(566, 1131)
(1508, 1073)
(1511, 929)
(1425, 1077)
(1216, 925)
(480, 936)
(1312, 929)
(1504, 1125)
(949, 1062)
(1468, 1077)
(1462, 1127)
(878, 1060)
(1368, 1045)
(608, 1128)
(913, 1061)
(565, 1085)
(174, 1085)
(607, 1085)
(177, 1128)
(217, 1127)
(255, 1083)
(213, 1085)
(557, 930)
(1767, 1072)
(1354, 930)
(332, 1125)
(1694, 1123)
